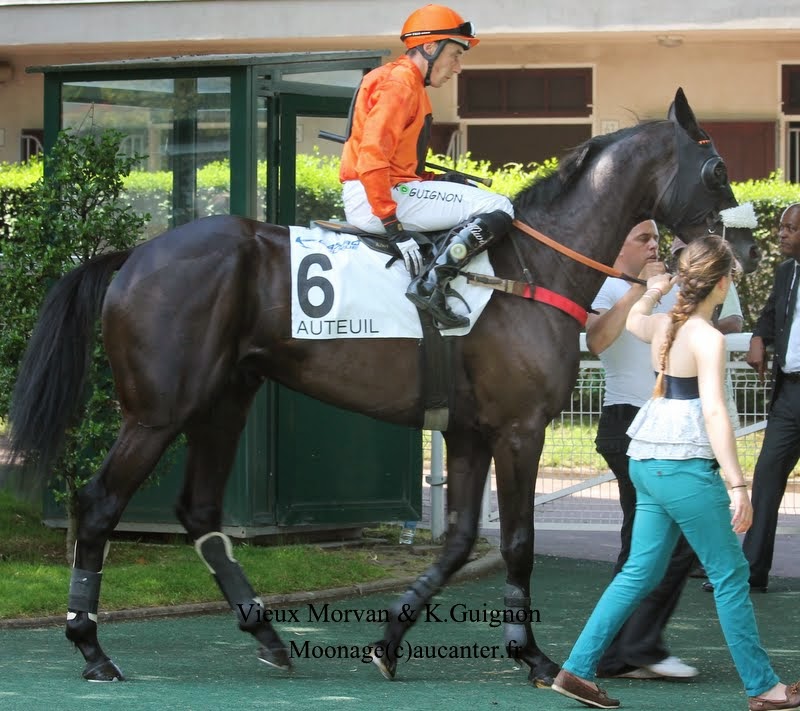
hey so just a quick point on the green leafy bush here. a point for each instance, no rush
(319, 192)
(75, 214)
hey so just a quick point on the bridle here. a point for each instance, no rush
(681, 189)
(676, 193)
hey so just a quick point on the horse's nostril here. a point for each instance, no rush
(755, 252)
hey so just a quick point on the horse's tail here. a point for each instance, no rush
(52, 373)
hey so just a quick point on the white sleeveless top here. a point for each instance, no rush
(673, 428)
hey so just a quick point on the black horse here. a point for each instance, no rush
(196, 319)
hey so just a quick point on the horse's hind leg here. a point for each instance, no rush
(100, 506)
(516, 459)
(468, 458)
(213, 437)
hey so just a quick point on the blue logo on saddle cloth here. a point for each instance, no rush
(342, 289)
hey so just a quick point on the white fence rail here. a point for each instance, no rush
(575, 490)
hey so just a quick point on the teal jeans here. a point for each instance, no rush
(674, 497)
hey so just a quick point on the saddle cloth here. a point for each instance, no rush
(342, 289)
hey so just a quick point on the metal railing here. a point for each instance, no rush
(575, 490)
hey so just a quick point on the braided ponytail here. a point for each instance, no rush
(680, 313)
(700, 267)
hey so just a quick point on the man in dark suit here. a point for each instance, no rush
(778, 326)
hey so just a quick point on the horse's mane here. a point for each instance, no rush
(544, 190)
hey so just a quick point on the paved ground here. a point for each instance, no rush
(203, 662)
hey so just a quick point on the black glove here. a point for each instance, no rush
(405, 242)
(452, 177)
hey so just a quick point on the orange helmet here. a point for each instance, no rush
(437, 22)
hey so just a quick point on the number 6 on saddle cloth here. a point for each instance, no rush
(349, 284)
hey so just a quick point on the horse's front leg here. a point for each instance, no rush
(468, 459)
(516, 458)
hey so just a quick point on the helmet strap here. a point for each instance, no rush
(430, 58)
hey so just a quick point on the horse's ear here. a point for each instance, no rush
(681, 113)
(572, 165)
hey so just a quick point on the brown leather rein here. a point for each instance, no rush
(576, 256)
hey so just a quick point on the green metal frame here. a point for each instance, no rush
(252, 76)
(262, 454)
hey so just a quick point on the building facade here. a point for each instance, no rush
(545, 76)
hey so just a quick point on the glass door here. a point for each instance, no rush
(335, 467)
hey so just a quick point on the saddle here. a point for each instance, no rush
(429, 243)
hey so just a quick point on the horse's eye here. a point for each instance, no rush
(714, 173)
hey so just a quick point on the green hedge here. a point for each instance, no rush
(319, 196)
(15, 182)
(318, 187)
(770, 198)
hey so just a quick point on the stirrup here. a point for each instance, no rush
(450, 291)
(458, 322)
(454, 324)
(443, 318)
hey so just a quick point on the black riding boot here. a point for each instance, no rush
(429, 290)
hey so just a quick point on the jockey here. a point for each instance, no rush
(386, 188)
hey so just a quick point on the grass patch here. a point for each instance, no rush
(138, 574)
(150, 575)
(23, 537)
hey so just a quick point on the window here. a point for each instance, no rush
(790, 102)
(525, 93)
(524, 142)
(790, 92)
(747, 147)
(443, 137)
(793, 148)
(31, 142)
(180, 124)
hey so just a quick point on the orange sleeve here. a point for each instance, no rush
(389, 133)
(392, 108)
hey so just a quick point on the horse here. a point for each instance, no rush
(195, 320)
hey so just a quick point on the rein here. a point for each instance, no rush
(576, 256)
(538, 293)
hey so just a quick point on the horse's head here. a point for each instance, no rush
(744, 246)
(697, 188)
(736, 224)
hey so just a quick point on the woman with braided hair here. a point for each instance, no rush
(680, 440)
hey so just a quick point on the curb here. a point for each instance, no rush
(474, 569)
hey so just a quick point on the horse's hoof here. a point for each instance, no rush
(103, 671)
(543, 670)
(380, 658)
(277, 658)
(540, 681)
(543, 677)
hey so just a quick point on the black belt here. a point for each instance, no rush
(791, 377)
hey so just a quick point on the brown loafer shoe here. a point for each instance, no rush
(792, 701)
(583, 691)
